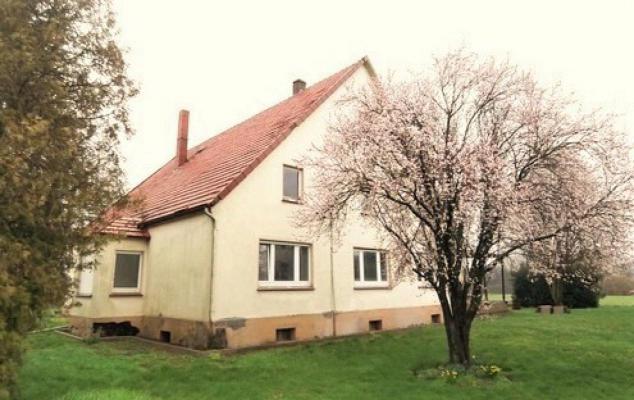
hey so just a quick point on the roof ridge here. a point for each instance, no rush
(279, 103)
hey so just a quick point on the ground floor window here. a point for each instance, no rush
(370, 268)
(127, 272)
(284, 264)
(85, 282)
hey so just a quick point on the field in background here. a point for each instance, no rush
(617, 301)
(606, 301)
(588, 354)
(498, 297)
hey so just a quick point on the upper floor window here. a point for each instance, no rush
(292, 184)
(284, 264)
(127, 272)
(370, 268)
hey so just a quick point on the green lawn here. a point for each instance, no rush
(617, 301)
(588, 354)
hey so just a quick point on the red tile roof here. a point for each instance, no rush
(125, 226)
(219, 164)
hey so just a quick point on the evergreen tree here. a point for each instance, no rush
(63, 109)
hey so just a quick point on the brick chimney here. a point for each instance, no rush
(298, 86)
(181, 142)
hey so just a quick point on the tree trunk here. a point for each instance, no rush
(457, 330)
(556, 292)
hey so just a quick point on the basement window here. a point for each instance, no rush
(376, 325)
(284, 265)
(285, 334)
(435, 318)
(127, 272)
(292, 184)
(370, 268)
(166, 336)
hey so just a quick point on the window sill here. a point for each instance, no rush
(83, 296)
(284, 288)
(124, 294)
(386, 287)
(291, 201)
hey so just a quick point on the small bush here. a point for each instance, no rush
(488, 371)
(579, 295)
(454, 373)
(530, 291)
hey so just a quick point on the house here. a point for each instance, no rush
(212, 258)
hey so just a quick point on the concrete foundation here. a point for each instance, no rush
(237, 333)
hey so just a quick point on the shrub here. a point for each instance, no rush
(489, 371)
(579, 295)
(531, 291)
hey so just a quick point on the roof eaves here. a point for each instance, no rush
(142, 234)
(172, 215)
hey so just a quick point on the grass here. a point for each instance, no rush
(588, 354)
(498, 297)
(606, 301)
(618, 301)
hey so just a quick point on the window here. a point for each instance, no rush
(376, 325)
(85, 282)
(285, 334)
(292, 184)
(165, 336)
(127, 272)
(283, 264)
(370, 268)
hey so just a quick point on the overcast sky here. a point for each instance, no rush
(225, 61)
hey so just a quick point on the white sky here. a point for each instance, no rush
(225, 61)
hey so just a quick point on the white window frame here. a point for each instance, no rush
(136, 289)
(85, 273)
(362, 283)
(296, 283)
(300, 184)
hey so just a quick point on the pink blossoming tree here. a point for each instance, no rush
(465, 166)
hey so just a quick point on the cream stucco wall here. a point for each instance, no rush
(254, 211)
(101, 304)
(175, 274)
(180, 267)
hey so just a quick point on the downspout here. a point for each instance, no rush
(333, 303)
(207, 212)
